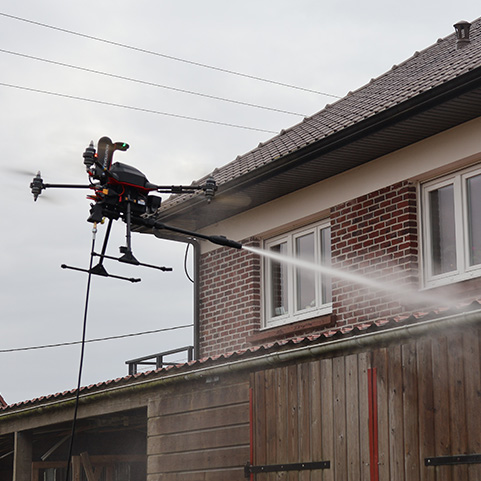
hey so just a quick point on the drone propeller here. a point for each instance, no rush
(237, 200)
(18, 171)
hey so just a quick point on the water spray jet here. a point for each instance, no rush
(407, 295)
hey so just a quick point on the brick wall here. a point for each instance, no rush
(375, 236)
(230, 299)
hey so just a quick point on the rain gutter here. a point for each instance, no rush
(419, 104)
(358, 342)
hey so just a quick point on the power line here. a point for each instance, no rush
(170, 57)
(138, 109)
(151, 84)
(100, 339)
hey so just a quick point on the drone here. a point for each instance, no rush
(120, 191)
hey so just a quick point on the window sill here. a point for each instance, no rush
(291, 330)
(451, 278)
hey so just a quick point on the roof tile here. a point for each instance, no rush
(425, 70)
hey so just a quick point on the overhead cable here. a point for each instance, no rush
(170, 57)
(151, 84)
(138, 109)
(100, 339)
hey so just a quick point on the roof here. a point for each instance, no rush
(3, 403)
(413, 324)
(436, 89)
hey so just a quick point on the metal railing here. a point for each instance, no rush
(157, 360)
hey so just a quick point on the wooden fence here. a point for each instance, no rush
(374, 415)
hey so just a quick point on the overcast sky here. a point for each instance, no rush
(330, 47)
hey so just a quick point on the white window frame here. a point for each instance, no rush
(463, 270)
(320, 308)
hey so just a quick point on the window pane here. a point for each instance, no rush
(326, 261)
(305, 279)
(278, 275)
(443, 240)
(474, 219)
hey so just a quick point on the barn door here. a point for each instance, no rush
(310, 413)
(428, 407)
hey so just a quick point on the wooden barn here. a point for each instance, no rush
(365, 368)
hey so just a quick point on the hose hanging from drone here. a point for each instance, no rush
(82, 354)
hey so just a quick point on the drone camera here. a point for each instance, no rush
(153, 203)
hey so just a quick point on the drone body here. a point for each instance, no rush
(121, 191)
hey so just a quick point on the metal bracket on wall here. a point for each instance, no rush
(272, 468)
(452, 460)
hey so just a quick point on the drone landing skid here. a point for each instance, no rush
(100, 270)
(130, 259)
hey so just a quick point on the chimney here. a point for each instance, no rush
(462, 33)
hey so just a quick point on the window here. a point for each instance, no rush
(452, 227)
(292, 293)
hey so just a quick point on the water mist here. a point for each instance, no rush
(402, 293)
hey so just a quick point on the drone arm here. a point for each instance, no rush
(67, 186)
(209, 188)
(215, 239)
(177, 189)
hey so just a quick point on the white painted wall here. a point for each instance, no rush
(449, 150)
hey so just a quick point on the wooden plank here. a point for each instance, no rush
(235, 474)
(208, 439)
(380, 363)
(271, 428)
(76, 468)
(395, 387)
(327, 421)
(87, 465)
(199, 460)
(339, 413)
(201, 397)
(293, 419)
(457, 402)
(352, 417)
(45, 417)
(373, 425)
(426, 406)
(260, 445)
(410, 412)
(442, 445)
(22, 458)
(281, 420)
(472, 373)
(117, 458)
(203, 419)
(315, 417)
(364, 363)
(303, 387)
